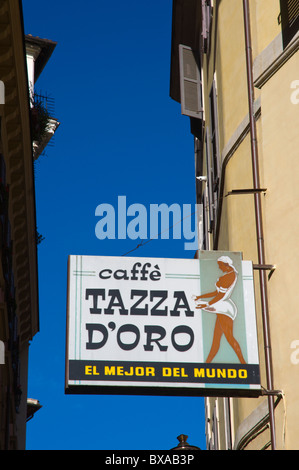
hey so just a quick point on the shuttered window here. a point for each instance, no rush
(2, 92)
(214, 137)
(206, 17)
(210, 206)
(190, 82)
(212, 159)
(289, 15)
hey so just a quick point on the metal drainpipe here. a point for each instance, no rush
(259, 223)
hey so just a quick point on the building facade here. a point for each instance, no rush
(235, 72)
(19, 307)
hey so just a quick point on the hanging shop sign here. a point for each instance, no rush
(162, 326)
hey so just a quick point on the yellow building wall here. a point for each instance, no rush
(231, 87)
(278, 144)
(265, 23)
(280, 121)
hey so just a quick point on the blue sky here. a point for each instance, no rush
(120, 135)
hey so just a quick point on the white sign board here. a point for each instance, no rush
(137, 326)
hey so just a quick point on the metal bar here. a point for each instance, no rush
(259, 223)
(246, 191)
(264, 266)
(275, 393)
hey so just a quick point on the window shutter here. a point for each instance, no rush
(292, 11)
(190, 82)
(214, 136)
(2, 171)
(215, 429)
(206, 16)
(290, 19)
(200, 223)
(210, 180)
(2, 92)
(2, 353)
